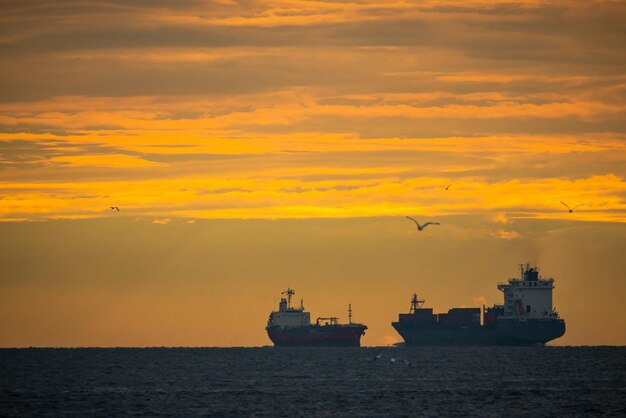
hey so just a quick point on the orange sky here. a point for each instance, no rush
(323, 116)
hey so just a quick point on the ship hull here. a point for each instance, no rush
(317, 336)
(507, 331)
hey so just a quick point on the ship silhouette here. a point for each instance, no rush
(527, 317)
(291, 326)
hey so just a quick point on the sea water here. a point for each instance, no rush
(325, 382)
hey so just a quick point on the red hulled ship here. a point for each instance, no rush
(290, 326)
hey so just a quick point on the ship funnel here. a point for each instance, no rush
(531, 274)
(282, 307)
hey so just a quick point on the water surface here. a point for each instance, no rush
(271, 382)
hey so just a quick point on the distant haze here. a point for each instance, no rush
(113, 282)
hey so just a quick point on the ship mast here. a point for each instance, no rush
(349, 313)
(524, 267)
(416, 303)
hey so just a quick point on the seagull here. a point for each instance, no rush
(420, 227)
(571, 210)
(447, 187)
(377, 357)
(115, 208)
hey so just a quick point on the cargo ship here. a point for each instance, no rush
(526, 317)
(291, 326)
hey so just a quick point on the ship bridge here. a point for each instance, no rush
(287, 315)
(528, 296)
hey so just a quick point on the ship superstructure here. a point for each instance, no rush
(288, 316)
(291, 326)
(526, 317)
(529, 296)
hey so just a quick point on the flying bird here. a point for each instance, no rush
(420, 227)
(571, 210)
(447, 187)
(115, 208)
(378, 356)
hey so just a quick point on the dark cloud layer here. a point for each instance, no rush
(570, 38)
(24, 153)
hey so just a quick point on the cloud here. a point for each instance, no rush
(111, 160)
(263, 46)
(507, 235)
(501, 218)
(299, 109)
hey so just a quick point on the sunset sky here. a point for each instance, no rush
(253, 145)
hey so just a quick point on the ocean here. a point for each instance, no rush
(316, 382)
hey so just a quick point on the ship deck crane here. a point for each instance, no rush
(333, 320)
